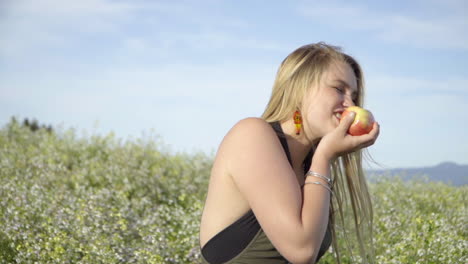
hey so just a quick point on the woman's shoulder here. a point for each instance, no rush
(248, 133)
(252, 123)
(250, 127)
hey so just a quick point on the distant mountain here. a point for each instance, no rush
(447, 172)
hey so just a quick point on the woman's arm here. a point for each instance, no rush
(294, 223)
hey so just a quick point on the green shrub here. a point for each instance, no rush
(96, 199)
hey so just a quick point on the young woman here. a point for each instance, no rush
(270, 194)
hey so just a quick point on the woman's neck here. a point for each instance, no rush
(299, 145)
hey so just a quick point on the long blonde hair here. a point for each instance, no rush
(296, 75)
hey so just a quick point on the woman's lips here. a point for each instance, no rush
(337, 114)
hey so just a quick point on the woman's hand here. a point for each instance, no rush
(338, 142)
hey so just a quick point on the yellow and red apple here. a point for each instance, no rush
(363, 120)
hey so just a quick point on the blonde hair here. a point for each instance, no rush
(295, 77)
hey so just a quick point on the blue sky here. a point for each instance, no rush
(184, 72)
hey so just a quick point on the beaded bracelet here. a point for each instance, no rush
(318, 175)
(319, 183)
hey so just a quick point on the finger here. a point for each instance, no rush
(346, 122)
(375, 130)
(369, 139)
(366, 140)
(373, 134)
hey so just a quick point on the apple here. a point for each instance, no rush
(363, 121)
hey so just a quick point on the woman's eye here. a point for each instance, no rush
(339, 89)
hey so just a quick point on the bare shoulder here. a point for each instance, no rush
(246, 136)
(247, 131)
(252, 125)
(250, 137)
(252, 158)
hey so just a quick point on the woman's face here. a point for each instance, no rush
(323, 105)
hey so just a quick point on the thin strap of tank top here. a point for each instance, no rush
(282, 137)
(279, 131)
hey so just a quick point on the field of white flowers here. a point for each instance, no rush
(96, 199)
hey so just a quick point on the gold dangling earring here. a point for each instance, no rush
(298, 122)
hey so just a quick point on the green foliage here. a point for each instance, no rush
(66, 199)
(33, 125)
(418, 222)
(97, 200)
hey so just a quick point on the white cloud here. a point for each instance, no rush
(76, 16)
(418, 101)
(32, 29)
(437, 33)
(30, 26)
(405, 86)
(417, 117)
(444, 31)
(168, 98)
(170, 94)
(88, 89)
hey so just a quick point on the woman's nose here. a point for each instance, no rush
(348, 101)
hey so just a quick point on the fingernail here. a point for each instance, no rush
(352, 114)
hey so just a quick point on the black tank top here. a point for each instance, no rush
(233, 243)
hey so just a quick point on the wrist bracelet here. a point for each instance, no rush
(319, 183)
(318, 175)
